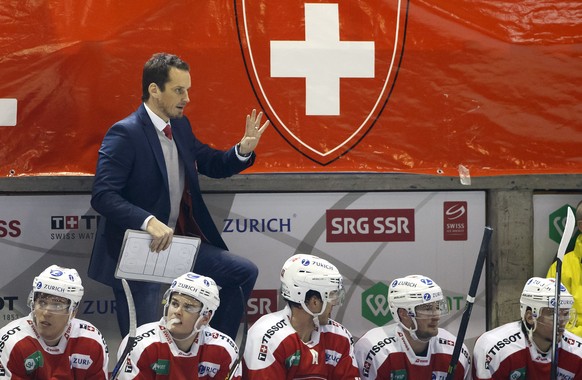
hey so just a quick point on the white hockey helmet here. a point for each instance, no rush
(302, 273)
(199, 287)
(61, 282)
(412, 291)
(540, 292)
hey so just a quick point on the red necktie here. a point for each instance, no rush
(168, 131)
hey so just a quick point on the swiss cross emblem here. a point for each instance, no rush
(323, 72)
(263, 353)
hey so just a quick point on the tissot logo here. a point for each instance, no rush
(7, 302)
(307, 60)
(370, 225)
(74, 222)
(73, 227)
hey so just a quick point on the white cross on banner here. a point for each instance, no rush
(322, 59)
(8, 112)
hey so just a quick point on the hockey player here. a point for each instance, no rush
(301, 341)
(182, 345)
(415, 347)
(522, 349)
(50, 343)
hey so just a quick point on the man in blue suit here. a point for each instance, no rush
(147, 178)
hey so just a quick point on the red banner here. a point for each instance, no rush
(352, 86)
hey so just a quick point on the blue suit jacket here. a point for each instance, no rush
(131, 184)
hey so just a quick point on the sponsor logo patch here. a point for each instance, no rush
(455, 221)
(375, 225)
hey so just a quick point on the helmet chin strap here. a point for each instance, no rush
(412, 331)
(315, 315)
(195, 329)
(57, 339)
(530, 333)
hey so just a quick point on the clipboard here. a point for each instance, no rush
(137, 262)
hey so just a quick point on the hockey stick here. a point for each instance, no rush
(243, 342)
(469, 304)
(132, 329)
(566, 235)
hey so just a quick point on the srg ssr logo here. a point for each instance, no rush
(375, 225)
(261, 302)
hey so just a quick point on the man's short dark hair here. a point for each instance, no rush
(308, 296)
(157, 70)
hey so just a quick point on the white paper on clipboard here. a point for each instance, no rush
(137, 262)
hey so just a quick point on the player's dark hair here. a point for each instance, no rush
(308, 296)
